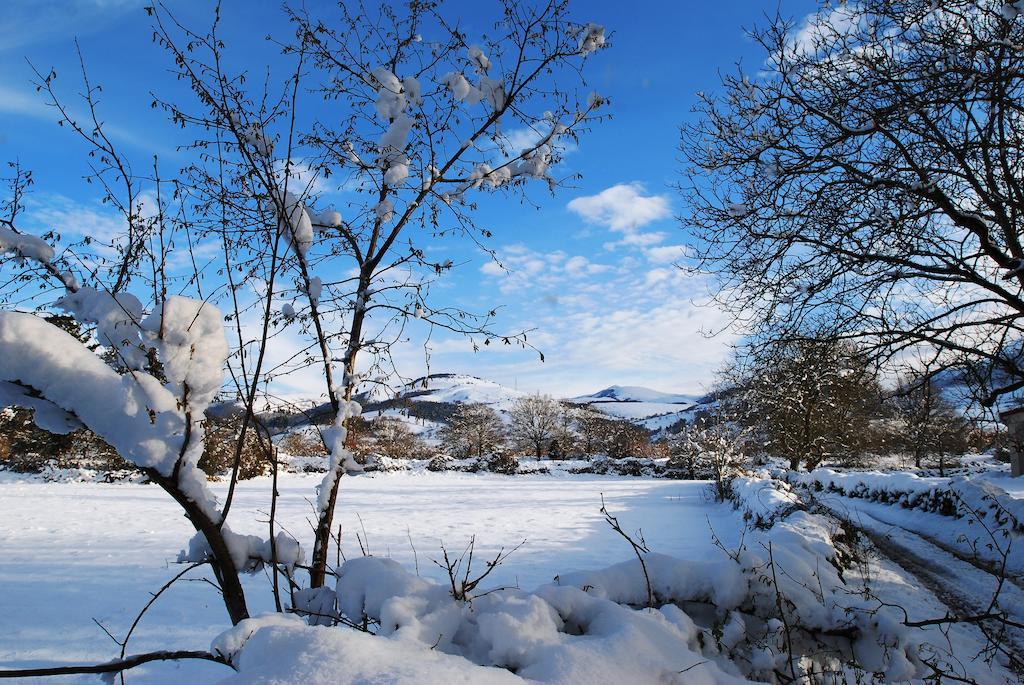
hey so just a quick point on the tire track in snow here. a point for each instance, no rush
(964, 587)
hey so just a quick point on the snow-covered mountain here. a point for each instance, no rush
(649, 408)
(457, 388)
(634, 393)
(428, 403)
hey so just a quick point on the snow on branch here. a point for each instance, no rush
(154, 425)
(25, 246)
(134, 412)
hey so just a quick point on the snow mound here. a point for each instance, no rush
(557, 635)
(282, 654)
(763, 498)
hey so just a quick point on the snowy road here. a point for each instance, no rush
(962, 586)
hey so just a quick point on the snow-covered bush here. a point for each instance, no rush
(390, 436)
(501, 463)
(384, 463)
(441, 462)
(713, 447)
(224, 442)
(302, 443)
(557, 634)
(954, 497)
(625, 466)
(762, 498)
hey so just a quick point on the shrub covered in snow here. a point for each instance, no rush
(761, 498)
(626, 466)
(441, 462)
(557, 634)
(384, 463)
(501, 463)
(957, 497)
(302, 443)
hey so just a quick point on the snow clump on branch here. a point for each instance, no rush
(25, 246)
(294, 223)
(393, 96)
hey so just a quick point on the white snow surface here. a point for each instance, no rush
(65, 562)
(297, 653)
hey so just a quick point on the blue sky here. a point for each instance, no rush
(590, 269)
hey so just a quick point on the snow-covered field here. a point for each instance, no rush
(74, 552)
(78, 555)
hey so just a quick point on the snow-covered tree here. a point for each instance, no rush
(474, 430)
(426, 119)
(810, 400)
(713, 447)
(928, 424)
(536, 420)
(392, 438)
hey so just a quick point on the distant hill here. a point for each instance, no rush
(635, 393)
(651, 409)
(457, 388)
(429, 402)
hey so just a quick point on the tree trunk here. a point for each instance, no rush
(223, 567)
(325, 524)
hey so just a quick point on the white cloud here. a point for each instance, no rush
(640, 321)
(619, 341)
(492, 268)
(623, 207)
(666, 254)
(655, 276)
(820, 28)
(577, 265)
(20, 101)
(515, 140)
(302, 179)
(521, 269)
(643, 239)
